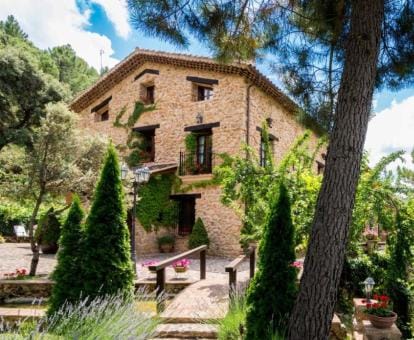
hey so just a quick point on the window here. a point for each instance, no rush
(148, 145)
(105, 115)
(150, 94)
(101, 111)
(204, 93)
(203, 155)
(262, 150)
(147, 94)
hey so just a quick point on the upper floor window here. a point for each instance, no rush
(204, 93)
(262, 151)
(101, 111)
(147, 94)
(147, 142)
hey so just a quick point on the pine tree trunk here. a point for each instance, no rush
(313, 311)
(33, 244)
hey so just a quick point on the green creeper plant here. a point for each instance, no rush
(272, 291)
(106, 265)
(199, 235)
(134, 139)
(155, 208)
(68, 275)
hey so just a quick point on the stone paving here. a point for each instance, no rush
(18, 255)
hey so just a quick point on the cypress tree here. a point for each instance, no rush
(272, 292)
(67, 275)
(198, 235)
(107, 266)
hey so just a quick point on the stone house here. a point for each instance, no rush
(222, 106)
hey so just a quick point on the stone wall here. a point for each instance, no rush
(176, 109)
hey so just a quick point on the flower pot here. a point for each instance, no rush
(49, 248)
(180, 269)
(382, 321)
(167, 248)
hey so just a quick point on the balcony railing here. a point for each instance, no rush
(196, 163)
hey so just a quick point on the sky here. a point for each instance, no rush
(96, 26)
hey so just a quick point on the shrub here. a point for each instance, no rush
(67, 275)
(166, 239)
(48, 229)
(2, 240)
(106, 265)
(13, 214)
(232, 326)
(198, 236)
(109, 317)
(272, 291)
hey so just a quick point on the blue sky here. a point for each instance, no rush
(94, 25)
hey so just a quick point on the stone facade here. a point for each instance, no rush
(176, 109)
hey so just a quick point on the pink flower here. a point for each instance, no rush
(297, 264)
(181, 263)
(149, 263)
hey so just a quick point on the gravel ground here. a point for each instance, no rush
(18, 255)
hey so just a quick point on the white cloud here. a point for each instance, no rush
(117, 13)
(392, 129)
(51, 23)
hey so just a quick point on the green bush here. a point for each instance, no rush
(13, 214)
(273, 289)
(106, 265)
(198, 236)
(48, 229)
(166, 239)
(67, 275)
(232, 326)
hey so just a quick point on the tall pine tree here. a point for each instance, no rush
(68, 275)
(272, 292)
(353, 46)
(107, 266)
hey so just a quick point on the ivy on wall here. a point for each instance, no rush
(155, 208)
(135, 143)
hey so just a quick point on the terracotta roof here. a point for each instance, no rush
(140, 56)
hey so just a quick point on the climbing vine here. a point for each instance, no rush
(155, 208)
(135, 143)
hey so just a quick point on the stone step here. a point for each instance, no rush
(186, 331)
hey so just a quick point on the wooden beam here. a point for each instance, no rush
(200, 127)
(146, 128)
(101, 105)
(147, 70)
(202, 80)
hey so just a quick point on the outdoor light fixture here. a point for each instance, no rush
(124, 171)
(369, 286)
(199, 118)
(141, 176)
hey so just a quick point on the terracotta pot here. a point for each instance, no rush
(166, 248)
(180, 269)
(49, 248)
(382, 321)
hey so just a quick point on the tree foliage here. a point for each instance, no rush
(107, 266)
(199, 235)
(68, 274)
(30, 78)
(272, 291)
(72, 70)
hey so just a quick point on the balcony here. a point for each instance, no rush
(196, 163)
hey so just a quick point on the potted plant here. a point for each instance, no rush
(48, 232)
(380, 313)
(166, 243)
(181, 266)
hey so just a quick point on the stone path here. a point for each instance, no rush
(18, 255)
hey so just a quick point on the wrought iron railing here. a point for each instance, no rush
(196, 163)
